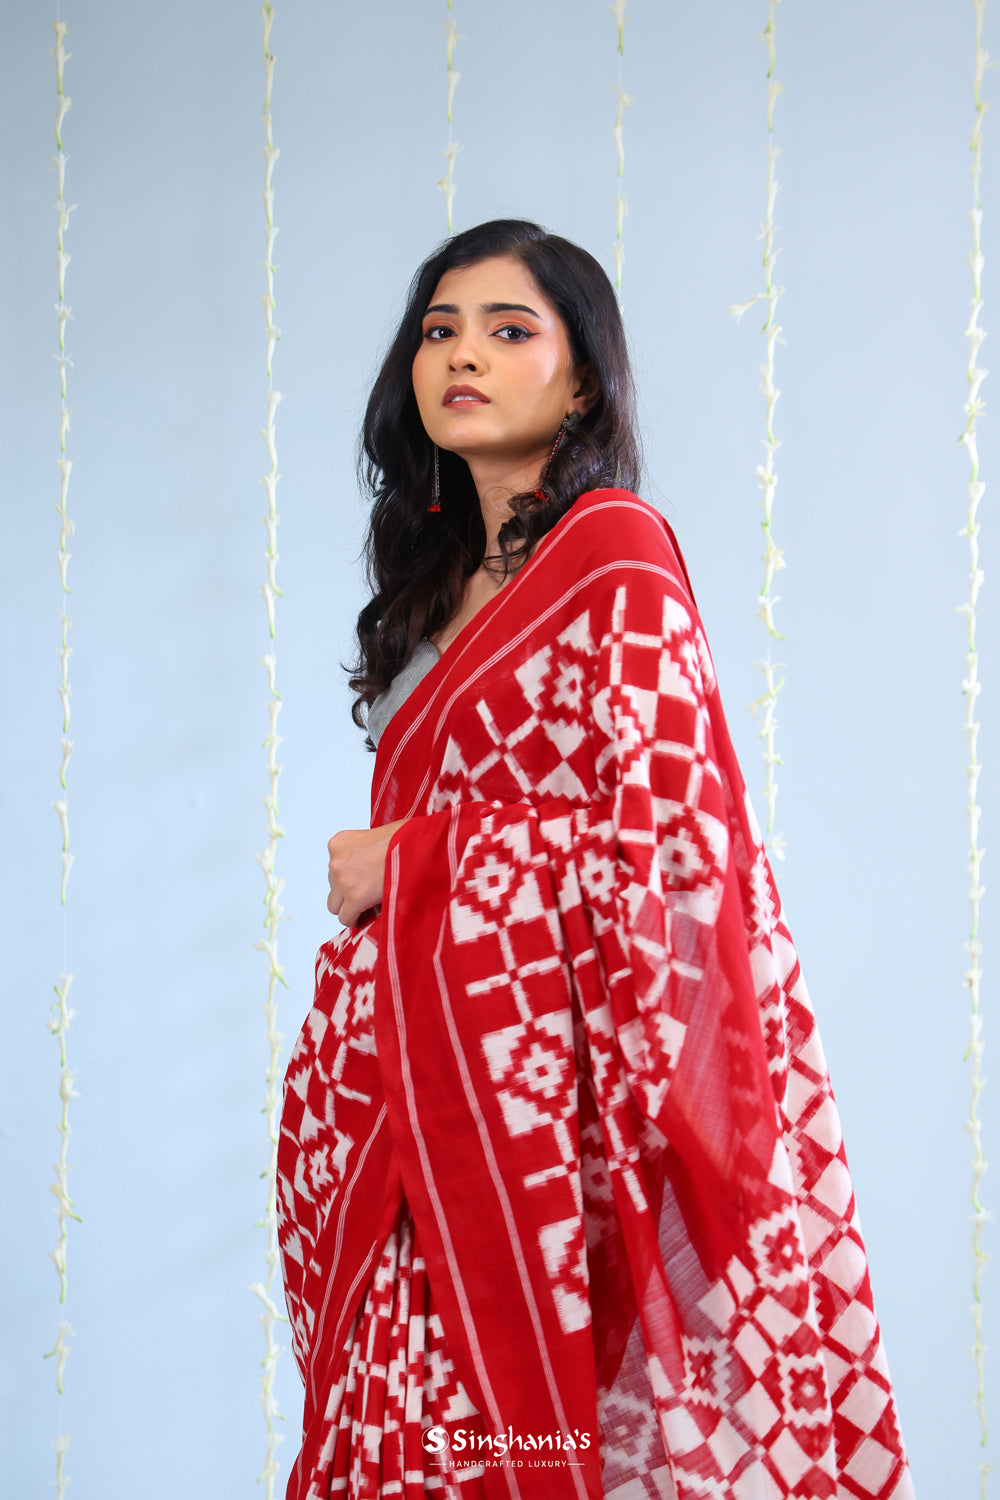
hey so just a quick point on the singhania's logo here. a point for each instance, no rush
(500, 1444)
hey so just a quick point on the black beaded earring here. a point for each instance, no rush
(435, 504)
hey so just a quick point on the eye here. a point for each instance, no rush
(437, 332)
(513, 333)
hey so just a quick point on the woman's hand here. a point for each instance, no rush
(357, 870)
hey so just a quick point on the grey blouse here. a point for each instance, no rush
(425, 654)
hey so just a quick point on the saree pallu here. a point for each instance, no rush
(571, 1070)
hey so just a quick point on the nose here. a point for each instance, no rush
(465, 351)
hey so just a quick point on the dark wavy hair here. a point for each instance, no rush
(417, 563)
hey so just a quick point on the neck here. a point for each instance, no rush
(496, 483)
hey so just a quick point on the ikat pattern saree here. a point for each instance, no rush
(565, 1210)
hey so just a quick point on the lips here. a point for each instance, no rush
(462, 396)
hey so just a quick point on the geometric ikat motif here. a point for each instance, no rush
(636, 1084)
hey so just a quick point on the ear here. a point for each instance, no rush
(588, 389)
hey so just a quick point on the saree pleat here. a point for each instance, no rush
(396, 1370)
(573, 1060)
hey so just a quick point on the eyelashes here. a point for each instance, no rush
(507, 333)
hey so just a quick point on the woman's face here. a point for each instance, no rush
(494, 375)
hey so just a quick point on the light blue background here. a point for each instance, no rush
(168, 391)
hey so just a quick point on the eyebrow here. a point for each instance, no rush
(486, 307)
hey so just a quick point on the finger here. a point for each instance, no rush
(334, 903)
(348, 914)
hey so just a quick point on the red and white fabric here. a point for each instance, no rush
(559, 1153)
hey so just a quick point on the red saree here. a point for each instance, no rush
(564, 1205)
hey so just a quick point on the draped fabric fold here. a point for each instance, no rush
(575, 1046)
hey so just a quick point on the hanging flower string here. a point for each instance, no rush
(273, 914)
(765, 707)
(62, 1014)
(975, 376)
(617, 130)
(447, 182)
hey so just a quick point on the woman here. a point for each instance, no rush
(565, 1210)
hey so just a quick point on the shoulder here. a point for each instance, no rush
(617, 529)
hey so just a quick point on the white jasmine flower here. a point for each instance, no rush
(58, 1259)
(452, 37)
(270, 947)
(63, 108)
(271, 527)
(269, 663)
(59, 162)
(273, 710)
(618, 11)
(739, 308)
(269, 595)
(274, 828)
(267, 433)
(62, 809)
(63, 210)
(60, 1352)
(270, 481)
(259, 1290)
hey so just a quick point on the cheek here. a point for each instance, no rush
(549, 368)
(425, 379)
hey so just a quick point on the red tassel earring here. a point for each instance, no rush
(435, 505)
